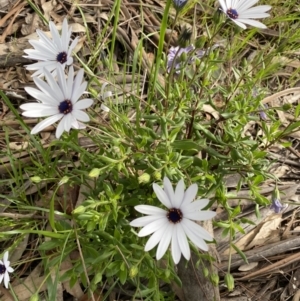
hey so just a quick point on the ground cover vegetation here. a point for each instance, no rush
(136, 139)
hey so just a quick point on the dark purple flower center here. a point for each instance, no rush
(174, 215)
(232, 13)
(65, 107)
(62, 57)
(2, 269)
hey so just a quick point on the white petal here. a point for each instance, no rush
(192, 227)
(77, 84)
(45, 40)
(262, 9)
(252, 23)
(59, 130)
(52, 88)
(83, 104)
(10, 269)
(69, 61)
(72, 46)
(165, 241)
(200, 215)
(66, 122)
(1, 277)
(228, 4)
(77, 125)
(70, 81)
(239, 24)
(62, 82)
(36, 106)
(162, 196)
(104, 108)
(55, 35)
(6, 279)
(81, 116)
(196, 240)
(247, 15)
(195, 206)
(37, 94)
(46, 111)
(183, 243)
(79, 78)
(189, 195)
(168, 188)
(243, 5)
(223, 5)
(40, 69)
(45, 123)
(65, 37)
(152, 210)
(78, 91)
(179, 194)
(154, 226)
(154, 239)
(143, 221)
(175, 247)
(42, 52)
(5, 257)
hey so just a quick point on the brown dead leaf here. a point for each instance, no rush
(75, 290)
(14, 13)
(264, 234)
(33, 22)
(48, 7)
(18, 145)
(257, 236)
(248, 267)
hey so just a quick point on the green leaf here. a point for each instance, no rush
(123, 275)
(239, 228)
(113, 268)
(185, 145)
(186, 162)
(222, 224)
(235, 211)
(240, 252)
(247, 221)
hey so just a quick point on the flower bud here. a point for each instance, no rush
(157, 175)
(94, 173)
(64, 180)
(133, 271)
(229, 281)
(214, 278)
(200, 42)
(286, 106)
(36, 179)
(179, 4)
(34, 297)
(184, 37)
(144, 178)
(79, 210)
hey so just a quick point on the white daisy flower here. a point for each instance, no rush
(59, 100)
(51, 53)
(174, 224)
(5, 268)
(241, 12)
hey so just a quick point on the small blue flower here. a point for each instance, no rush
(179, 4)
(176, 53)
(262, 113)
(276, 205)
